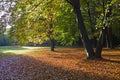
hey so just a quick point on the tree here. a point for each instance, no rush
(42, 20)
(38, 21)
(27, 23)
(84, 36)
(81, 25)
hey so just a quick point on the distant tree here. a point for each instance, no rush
(4, 40)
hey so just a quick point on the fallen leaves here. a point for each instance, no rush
(63, 64)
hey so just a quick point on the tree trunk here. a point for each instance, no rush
(83, 33)
(109, 38)
(102, 35)
(51, 36)
(86, 42)
(100, 43)
(79, 42)
(52, 46)
(84, 36)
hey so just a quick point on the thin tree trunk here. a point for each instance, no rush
(102, 35)
(100, 43)
(52, 46)
(109, 38)
(51, 36)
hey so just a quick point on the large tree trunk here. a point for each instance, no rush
(84, 36)
(83, 33)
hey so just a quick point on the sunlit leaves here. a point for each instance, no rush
(35, 18)
(45, 19)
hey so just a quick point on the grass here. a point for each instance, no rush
(9, 50)
(6, 54)
(65, 64)
(12, 48)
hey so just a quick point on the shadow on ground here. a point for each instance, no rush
(67, 54)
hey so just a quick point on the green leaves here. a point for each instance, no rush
(41, 20)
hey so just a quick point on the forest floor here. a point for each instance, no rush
(63, 64)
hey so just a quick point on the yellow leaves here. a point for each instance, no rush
(36, 18)
(114, 1)
(28, 24)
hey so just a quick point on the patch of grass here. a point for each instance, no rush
(12, 48)
(6, 54)
(3, 50)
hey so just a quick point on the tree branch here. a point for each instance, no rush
(69, 1)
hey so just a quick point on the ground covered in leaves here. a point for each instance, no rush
(63, 64)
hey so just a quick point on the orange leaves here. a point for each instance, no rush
(64, 64)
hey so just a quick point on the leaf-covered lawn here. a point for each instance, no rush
(63, 64)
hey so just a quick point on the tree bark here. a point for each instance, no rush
(109, 38)
(83, 33)
(86, 42)
(52, 46)
(100, 43)
(79, 42)
(102, 35)
(51, 36)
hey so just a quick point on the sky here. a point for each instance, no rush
(4, 7)
(2, 13)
